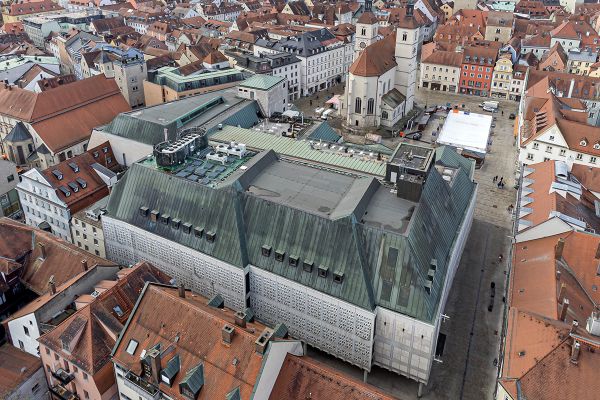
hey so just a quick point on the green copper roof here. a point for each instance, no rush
(298, 149)
(325, 133)
(378, 264)
(261, 82)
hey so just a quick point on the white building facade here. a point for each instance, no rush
(41, 204)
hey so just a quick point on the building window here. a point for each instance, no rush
(548, 149)
(579, 156)
(10, 178)
(357, 105)
(370, 106)
(530, 156)
(86, 394)
(384, 115)
(536, 146)
(563, 152)
(593, 160)
(47, 351)
(26, 330)
(22, 345)
(551, 137)
(85, 377)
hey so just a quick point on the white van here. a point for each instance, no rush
(327, 113)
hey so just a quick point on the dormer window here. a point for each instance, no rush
(597, 146)
(583, 142)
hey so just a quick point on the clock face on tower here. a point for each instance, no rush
(362, 45)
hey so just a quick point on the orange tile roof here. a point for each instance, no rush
(302, 378)
(533, 279)
(16, 367)
(66, 114)
(376, 59)
(34, 7)
(102, 324)
(197, 328)
(529, 338)
(580, 254)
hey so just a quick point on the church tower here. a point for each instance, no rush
(407, 43)
(366, 30)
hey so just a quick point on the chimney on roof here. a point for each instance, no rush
(182, 290)
(227, 333)
(561, 293)
(575, 352)
(240, 319)
(564, 309)
(84, 264)
(154, 356)
(574, 326)
(558, 249)
(42, 251)
(52, 285)
(263, 340)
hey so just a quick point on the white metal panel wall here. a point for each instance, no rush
(127, 244)
(323, 321)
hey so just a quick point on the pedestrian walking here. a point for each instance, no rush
(498, 184)
(495, 179)
(501, 179)
(502, 112)
(501, 185)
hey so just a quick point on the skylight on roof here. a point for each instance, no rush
(132, 346)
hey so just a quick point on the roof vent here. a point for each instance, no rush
(198, 231)
(144, 211)
(175, 222)
(154, 214)
(186, 227)
(165, 218)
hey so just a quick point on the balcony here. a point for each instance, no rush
(63, 376)
(140, 386)
(60, 392)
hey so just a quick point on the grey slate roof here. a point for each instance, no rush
(381, 265)
(303, 45)
(18, 133)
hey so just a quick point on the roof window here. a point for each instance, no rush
(105, 149)
(266, 251)
(186, 227)
(308, 265)
(144, 211)
(154, 214)
(57, 174)
(293, 261)
(323, 270)
(165, 218)
(198, 231)
(73, 187)
(81, 182)
(279, 255)
(338, 277)
(132, 346)
(175, 223)
(210, 236)
(74, 167)
(65, 191)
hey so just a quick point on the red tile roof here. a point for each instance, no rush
(16, 367)
(62, 261)
(302, 378)
(101, 323)
(33, 7)
(197, 328)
